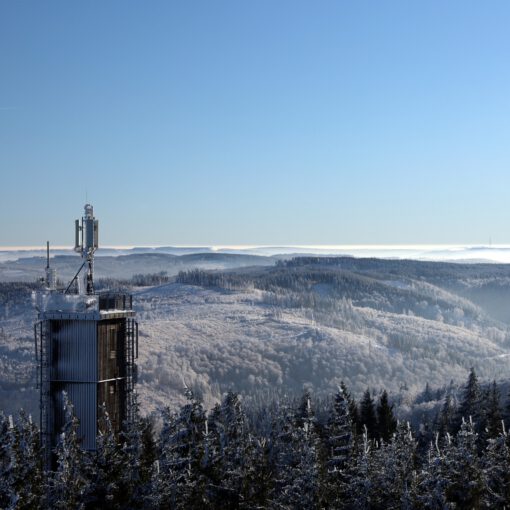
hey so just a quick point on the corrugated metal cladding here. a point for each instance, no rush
(73, 350)
(111, 346)
(91, 357)
(84, 399)
(113, 395)
(111, 342)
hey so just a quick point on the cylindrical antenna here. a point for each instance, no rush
(51, 274)
(86, 242)
(77, 231)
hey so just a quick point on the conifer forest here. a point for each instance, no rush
(302, 453)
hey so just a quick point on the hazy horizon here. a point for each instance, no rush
(424, 252)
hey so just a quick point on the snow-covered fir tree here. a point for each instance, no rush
(367, 414)
(493, 414)
(463, 470)
(296, 462)
(227, 444)
(68, 483)
(431, 480)
(27, 472)
(394, 471)
(496, 472)
(287, 454)
(8, 463)
(360, 487)
(339, 446)
(106, 469)
(180, 481)
(471, 406)
(386, 421)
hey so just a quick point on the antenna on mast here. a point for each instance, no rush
(86, 242)
(51, 274)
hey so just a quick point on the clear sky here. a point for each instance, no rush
(257, 122)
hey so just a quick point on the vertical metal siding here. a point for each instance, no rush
(74, 370)
(81, 354)
(84, 397)
(74, 350)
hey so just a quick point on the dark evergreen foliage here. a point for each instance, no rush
(470, 407)
(301, 454)
(353, 409)
(493, 415)
(386, 422)
(367, 414)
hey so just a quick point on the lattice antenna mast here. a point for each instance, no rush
(86, 243)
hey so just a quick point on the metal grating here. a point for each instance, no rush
(42, 340)
(131, 357)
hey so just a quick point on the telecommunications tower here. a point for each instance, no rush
(86, 345)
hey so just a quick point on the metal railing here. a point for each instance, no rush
(131, 357)
(41, 341)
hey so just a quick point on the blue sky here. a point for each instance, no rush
(263, 122)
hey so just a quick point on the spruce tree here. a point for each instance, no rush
(27, 475)
(431, 481)
(359, 476)
(353, 410)
(496, 472)
(445, 420)
(506, 412)
(393, 471)
(258, 475)
(427, 395)
(148, 463)
(180, 482)
(386, 422)
(470, 405)
(232, 441)
(493, 415)
(67, 485)
(107, 469)
(138, 453)
(367, 414)
(8, 463)
(339, 446)
(463, 472)
(304, 412)
(296, 466)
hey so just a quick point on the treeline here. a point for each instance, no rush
(297, 284)
(16, 293)
(444, 271)
(137, 280)
(284, 455)
(228, 281)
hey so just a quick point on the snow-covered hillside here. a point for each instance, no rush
(215, 340)
(261, 330)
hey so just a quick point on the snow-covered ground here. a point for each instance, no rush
(215, 340)
(248, 341)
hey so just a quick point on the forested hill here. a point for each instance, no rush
(306, 322)
(31, 269)
(487, 285)
(392, 285)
